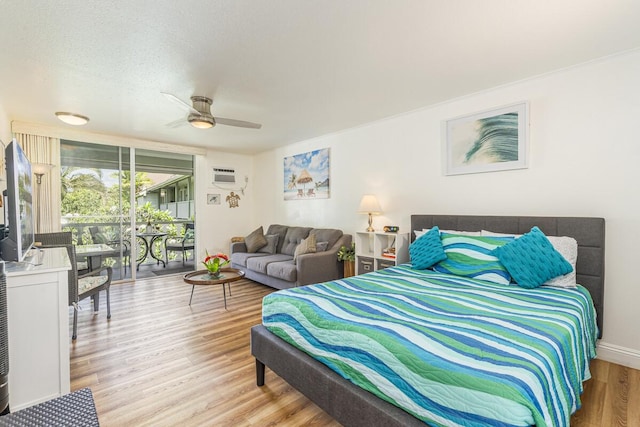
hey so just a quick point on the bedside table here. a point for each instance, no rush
(377, 250)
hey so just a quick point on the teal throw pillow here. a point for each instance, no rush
(532, 260)
(427, 250)
(471, 256)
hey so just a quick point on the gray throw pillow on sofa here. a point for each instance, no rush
(322, 246)
(272, 244)
(255, 240)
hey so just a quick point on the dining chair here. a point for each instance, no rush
(181, 244)
(80, 286)
(62, 239)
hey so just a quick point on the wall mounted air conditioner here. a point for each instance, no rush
(224, 175)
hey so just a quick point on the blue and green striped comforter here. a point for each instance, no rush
(451, 351)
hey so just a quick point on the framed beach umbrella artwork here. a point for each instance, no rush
(306, 175)
(488, 141)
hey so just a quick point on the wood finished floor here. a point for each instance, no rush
(159, 362)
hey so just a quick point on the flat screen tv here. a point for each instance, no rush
(19, 212)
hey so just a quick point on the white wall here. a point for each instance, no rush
(584, 161)
(5, 126)
(216, 224)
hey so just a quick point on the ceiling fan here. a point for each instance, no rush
(200, 114)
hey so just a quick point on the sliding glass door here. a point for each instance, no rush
(124, 222)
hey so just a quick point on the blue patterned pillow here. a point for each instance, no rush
(532, 260)
(426, 250)
(471, 256)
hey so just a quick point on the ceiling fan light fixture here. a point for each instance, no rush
(201, 122)
(72, 118)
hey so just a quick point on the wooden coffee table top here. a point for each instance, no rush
(202, 277)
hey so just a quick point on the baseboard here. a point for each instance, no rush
(620, 355)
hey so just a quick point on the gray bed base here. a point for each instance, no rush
(353, 406)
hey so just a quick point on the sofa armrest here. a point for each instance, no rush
(321, 266)
(238, 247)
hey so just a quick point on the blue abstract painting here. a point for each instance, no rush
(488, 141)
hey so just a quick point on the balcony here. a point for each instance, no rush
(151, 260)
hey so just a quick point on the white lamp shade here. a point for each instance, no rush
(40, 168)
(369, 205)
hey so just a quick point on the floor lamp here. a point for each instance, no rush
(39, 169)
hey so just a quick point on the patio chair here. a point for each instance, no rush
(98, 237)
(181, 244)
(80, 286)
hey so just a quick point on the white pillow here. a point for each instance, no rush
(568, 248)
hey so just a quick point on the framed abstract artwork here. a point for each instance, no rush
(306, 175)
(488, 141)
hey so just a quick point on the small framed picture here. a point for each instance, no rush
(213, 199)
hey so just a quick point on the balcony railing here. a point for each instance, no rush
(80, 228)
(110, 231)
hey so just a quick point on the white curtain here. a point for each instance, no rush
(44, 150)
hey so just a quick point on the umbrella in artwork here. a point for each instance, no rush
(304, 178)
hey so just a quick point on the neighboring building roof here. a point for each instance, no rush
(172, 179)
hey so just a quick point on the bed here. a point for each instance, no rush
(353, 406)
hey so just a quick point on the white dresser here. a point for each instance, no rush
(38, 320)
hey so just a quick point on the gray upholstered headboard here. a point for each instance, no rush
(589, 233)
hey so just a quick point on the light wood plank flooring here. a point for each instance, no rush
(159, 362)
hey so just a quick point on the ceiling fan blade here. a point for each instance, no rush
(177, 123)
(238, 123)
(179, 102)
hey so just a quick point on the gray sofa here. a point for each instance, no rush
(278, 268)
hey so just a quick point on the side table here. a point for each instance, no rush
(202, 277)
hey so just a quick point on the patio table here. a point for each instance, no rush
(147, 240)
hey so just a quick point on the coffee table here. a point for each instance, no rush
(202, 277)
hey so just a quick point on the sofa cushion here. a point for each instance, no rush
(260, 263)
(293, 238)
(306, 246)
(330, 235)
(272, 244)
(255, 240)
(240, 258)
(322, 246)
(285, 270)
(281, 231)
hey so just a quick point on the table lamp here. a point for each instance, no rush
(369, 205)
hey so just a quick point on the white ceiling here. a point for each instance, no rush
(302, 68)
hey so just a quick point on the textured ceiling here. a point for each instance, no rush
(301, 68)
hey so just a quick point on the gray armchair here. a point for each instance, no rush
(83, 286)
(181, 244)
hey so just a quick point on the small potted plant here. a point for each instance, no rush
(214, 263)
(348, 256)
